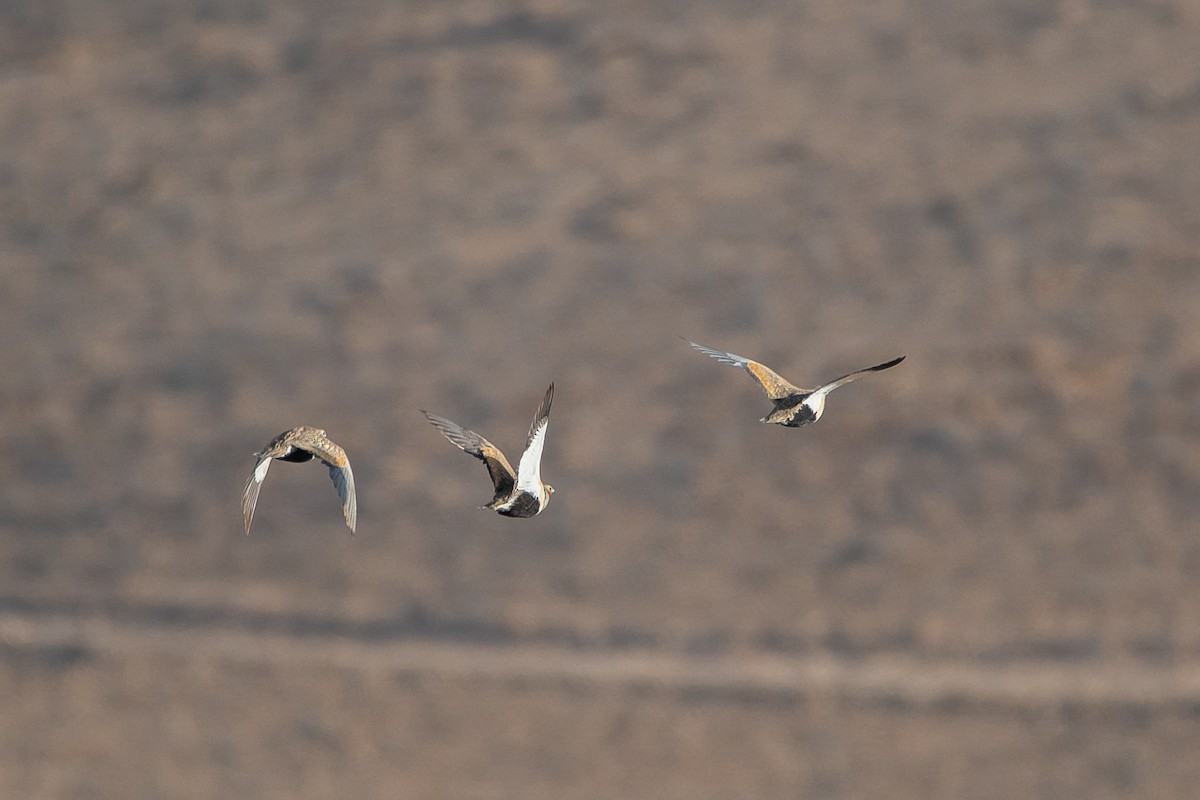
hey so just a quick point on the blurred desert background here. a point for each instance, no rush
(977, 577)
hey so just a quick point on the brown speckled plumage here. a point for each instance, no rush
(298, 445)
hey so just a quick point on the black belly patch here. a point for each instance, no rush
(523, 505)
(804, 416)
(800, 413)
(296, 456)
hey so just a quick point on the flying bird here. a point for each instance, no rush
(793, 406)
(518, 494)
(299, 445)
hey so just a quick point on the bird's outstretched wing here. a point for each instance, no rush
(343, 481)
(829, 387)
(314, 440)
(250, 496)
(774, 385)
(473, 444)
(529, 470)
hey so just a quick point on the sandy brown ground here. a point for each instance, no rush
(977, 577)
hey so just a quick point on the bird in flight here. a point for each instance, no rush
(518, 494)
(793, 406)
(299, 445)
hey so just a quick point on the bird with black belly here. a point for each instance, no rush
(793, 406)
(517, 494)
(299, 445)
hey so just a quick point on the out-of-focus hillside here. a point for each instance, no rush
(978, 576)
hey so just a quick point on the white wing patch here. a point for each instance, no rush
(260, 472)
(529, 471)
(816, 401)
(250, 497)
